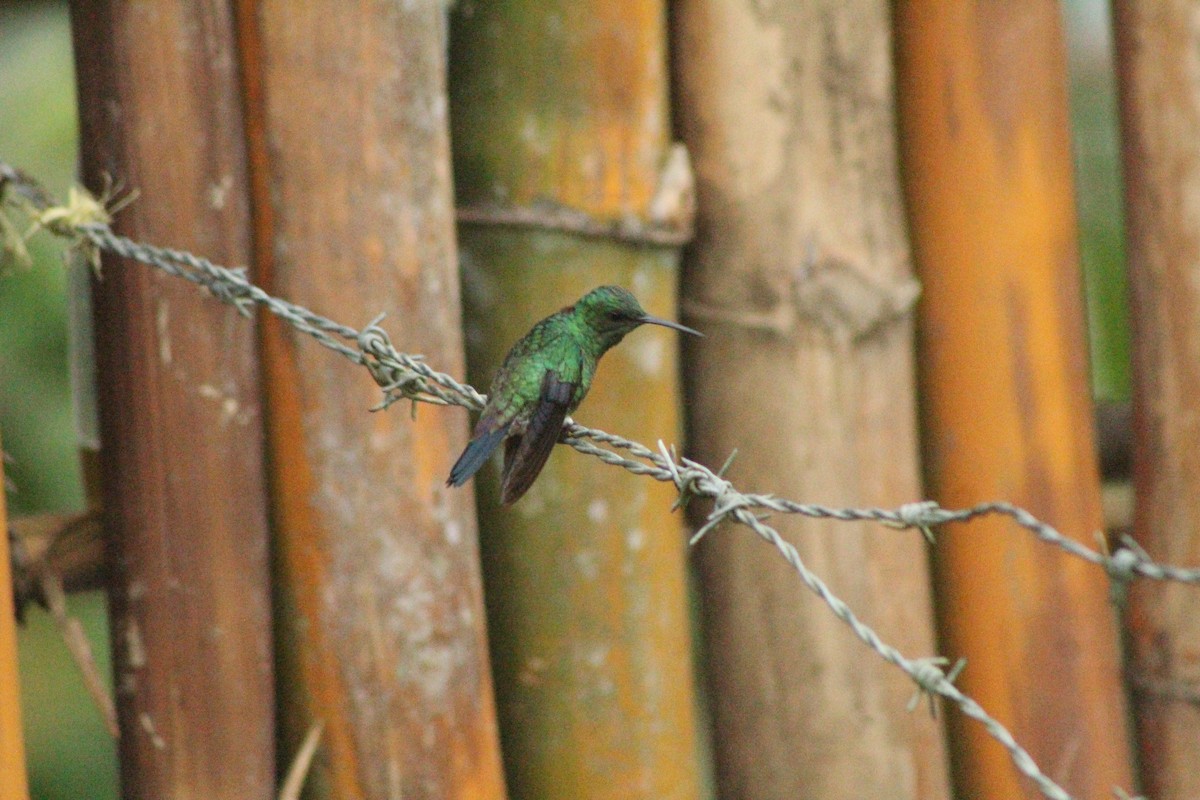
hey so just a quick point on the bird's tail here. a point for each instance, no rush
(475, 455)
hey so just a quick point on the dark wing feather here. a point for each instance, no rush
(476, 455)
(525, 455)
(511, 445)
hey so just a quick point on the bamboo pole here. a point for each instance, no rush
(801, 279)
(559, 113)
(1160, 112)
(1003, 370)
(14, 781)
(381, 618)
(184, 498)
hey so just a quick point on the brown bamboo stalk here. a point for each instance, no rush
(1004, 380)
(381, 622)
(801, 279)
(1160, 113)
(14, 782)
(184, 497)
(561, 142)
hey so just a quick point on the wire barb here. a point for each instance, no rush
(922, 515)
(1121, 566)
(396, 381)
(928, 677)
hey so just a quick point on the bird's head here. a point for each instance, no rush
(610, 312)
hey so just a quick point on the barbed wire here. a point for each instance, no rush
(84, 222)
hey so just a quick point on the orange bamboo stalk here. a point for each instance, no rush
(801, 280)
(1003, 368)
(381, 622)
(14, 781)
(1160, 113)
(184, 496)
(564, 105)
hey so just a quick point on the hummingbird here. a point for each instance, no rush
(545, 377)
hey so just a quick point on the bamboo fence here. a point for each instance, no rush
(313, 142)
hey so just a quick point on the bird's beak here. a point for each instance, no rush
(666, 323)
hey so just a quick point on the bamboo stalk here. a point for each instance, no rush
(561, 136)
(1003, 370)
(1160, 111)
(801, 280)
(184, 498)
(14, 782)
(381, 620)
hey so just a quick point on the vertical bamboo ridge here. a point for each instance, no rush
(381, 620)
(184, 493)
(1007, 411)
(801, 281)
(13, 775)
(564, 104)
(1160, 111)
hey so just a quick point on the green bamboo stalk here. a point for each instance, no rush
(561, 135)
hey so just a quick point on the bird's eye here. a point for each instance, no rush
(615, 315)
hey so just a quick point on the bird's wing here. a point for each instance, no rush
(526, 454)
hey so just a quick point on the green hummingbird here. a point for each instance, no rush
(545, 377)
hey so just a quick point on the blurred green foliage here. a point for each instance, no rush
(38, 132)
(71, 756)
(1098, 190)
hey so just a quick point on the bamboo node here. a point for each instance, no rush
(830, 293)
(547, 215)
(669, 220)
(1169, 690)
(849, 303)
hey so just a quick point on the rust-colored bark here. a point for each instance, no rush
(564, 104)
(14, 781)
(184, 497)
(381, 623)
(801, 280)
(1003, 370)
(1157, 43)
